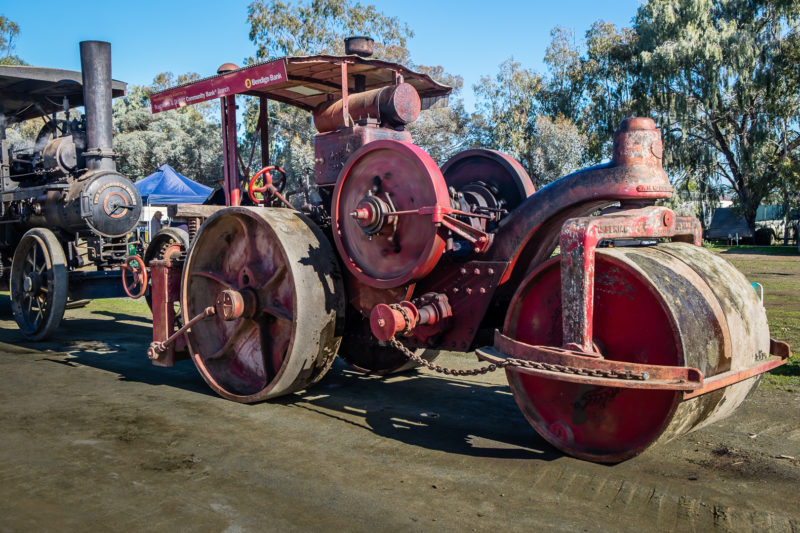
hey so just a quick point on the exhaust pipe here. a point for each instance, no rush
(96, 67)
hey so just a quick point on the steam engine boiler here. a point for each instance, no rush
(65, 210)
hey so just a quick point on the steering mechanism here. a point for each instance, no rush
(135, 285)
(269, 188)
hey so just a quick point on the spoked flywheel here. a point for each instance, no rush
(276, 285)
(38, 283)
(672, 305)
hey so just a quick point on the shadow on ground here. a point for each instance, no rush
(468, 417)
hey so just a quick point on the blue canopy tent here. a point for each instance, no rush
(167, 186)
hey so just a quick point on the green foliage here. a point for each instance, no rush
(509, 119)
(710, 71)
(182, 138)
(9, 30)
(280, 28)
(320, 26)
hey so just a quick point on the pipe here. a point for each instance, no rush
(96, 67)
(394, 106)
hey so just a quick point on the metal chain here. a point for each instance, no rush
(519, 363)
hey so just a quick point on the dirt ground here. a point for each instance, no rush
(94, 438)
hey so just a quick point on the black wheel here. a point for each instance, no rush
(38, 283)
(168, 243)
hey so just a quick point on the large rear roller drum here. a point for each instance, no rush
(276, 277)
(672, 304)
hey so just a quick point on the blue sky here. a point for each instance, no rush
(148, 37)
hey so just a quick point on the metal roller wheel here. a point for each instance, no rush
(38, 284)
(275, 282)
(672, 304)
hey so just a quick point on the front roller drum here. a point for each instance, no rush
(672, 305)
(275, 283)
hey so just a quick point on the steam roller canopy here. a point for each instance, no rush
(673, 304)
(275, 283)
(381, 249)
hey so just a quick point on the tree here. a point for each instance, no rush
(709, 69)
(9, 30)
(182, 138)
(608, 76)
(281, 28)
(563, 91)
(509, 119)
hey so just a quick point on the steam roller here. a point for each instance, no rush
(615, 328)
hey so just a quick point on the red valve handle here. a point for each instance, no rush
(268, 186)
(138, 286)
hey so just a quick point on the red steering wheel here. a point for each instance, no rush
(267, 187)
(136, 286)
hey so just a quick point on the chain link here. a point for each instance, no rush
(519, 363)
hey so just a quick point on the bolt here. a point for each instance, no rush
(381, 322)
(469, 290)
(477, 271)
(455, 290)
(490, 271)
(463, 271)
(482, 290)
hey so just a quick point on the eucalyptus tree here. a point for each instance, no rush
(710, 71)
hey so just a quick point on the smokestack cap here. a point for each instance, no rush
(359, 45)
(227, 67)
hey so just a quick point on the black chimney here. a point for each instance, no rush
(96, 67)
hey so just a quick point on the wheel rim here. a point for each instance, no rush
(596, 423)
(258, 354)
(38, 284)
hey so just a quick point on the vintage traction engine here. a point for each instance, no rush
(607, 350)
(65, 211)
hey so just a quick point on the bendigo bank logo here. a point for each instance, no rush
(248, 83)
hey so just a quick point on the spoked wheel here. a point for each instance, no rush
(38, 283)
(275, 282)
(671, 304)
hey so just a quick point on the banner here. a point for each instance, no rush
(236, 82)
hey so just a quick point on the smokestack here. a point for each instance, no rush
(96, 67)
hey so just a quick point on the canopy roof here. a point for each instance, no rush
(303, 82)
(167, 186)
(31, 92)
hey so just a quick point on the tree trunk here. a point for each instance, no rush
(785, 215)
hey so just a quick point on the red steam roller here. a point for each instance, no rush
(386, 257)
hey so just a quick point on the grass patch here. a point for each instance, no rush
(781, 281)
(748, 249)
(116, 306)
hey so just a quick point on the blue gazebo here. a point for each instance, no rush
(167, 186)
